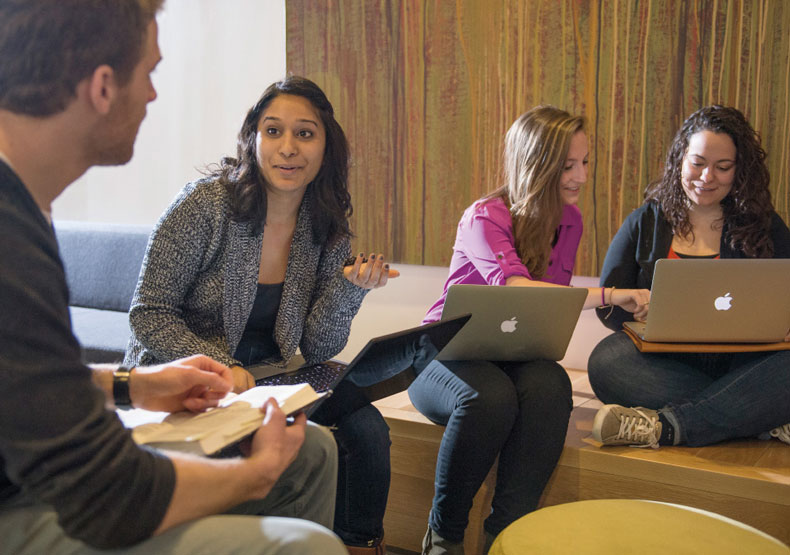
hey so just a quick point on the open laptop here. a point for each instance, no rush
(382, 359)
(512, 323)
(718, 301)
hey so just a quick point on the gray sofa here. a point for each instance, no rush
(102, 264)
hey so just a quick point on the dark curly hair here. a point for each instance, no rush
(747, 208)
(241, 176)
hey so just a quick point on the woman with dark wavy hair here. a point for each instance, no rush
(713, 201)
(248, 264)
(242, 176)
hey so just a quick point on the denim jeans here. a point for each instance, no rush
(516, 410)
(713, 397)
(363, 480)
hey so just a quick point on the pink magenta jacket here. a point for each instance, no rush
(485, 252)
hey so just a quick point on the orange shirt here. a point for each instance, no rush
(673, 254)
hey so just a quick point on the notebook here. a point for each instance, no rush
(380, 360)
(512, 323)
(718, 301)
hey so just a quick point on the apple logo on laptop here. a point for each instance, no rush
(509, 326)
(723, 303)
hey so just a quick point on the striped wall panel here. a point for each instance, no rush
(426, 90)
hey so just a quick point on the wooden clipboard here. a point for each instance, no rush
(654, 347)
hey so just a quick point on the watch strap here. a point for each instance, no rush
(120, 387)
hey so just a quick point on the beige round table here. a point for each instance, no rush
(617, 526)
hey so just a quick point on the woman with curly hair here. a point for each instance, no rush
(524, 234)
(712, 202)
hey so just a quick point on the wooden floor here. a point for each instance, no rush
(748, 481)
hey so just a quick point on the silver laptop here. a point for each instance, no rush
(718, 301)
(512, 323)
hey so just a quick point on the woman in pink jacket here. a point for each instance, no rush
(525, 233)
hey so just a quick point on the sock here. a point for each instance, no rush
(667, 431)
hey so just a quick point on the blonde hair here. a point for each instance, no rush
(536, 149)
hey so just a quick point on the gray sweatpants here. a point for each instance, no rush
(298, 511)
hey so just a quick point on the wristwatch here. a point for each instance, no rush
(120, 387)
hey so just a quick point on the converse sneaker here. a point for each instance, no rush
(617, 425)
(434, 544)
(782, 433)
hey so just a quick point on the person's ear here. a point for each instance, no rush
(102, 89)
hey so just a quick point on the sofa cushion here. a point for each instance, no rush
(103, 334)
(102, 262)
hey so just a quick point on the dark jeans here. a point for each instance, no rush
(516, 410)
(713, 397)
(363, 479)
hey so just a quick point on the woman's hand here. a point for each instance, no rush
(242, 380)
(371, 274)
(632, 300)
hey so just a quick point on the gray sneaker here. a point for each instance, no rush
(434, 544)
(782, 433)
(617, 425)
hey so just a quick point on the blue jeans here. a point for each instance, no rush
(518, 411)
(363, 479)
(713, 397)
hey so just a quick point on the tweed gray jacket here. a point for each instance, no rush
(198, 281)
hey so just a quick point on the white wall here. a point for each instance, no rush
(218, 57)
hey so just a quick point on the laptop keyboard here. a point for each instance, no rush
(321, 376)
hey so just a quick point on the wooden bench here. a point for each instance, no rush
(748, 481)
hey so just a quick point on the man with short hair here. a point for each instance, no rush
(74, 86)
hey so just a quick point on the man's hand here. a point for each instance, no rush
(275, 446)
(194, 383)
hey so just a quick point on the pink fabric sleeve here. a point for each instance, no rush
(489, 243)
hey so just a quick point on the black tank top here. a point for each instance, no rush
(257, 342)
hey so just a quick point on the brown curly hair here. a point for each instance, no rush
(747, 208)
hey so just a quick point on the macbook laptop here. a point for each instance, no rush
(380, 360)
(718, 301)
(512, 323)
